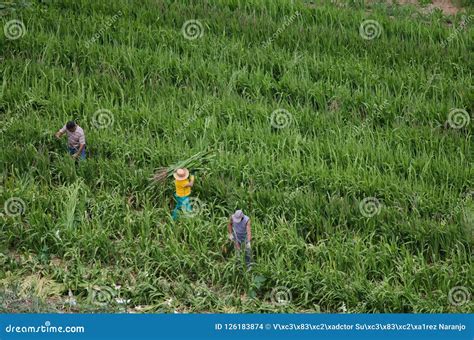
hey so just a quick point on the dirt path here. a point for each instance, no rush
(446, 6)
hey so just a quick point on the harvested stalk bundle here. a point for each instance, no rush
(161, 174)
(196, 163)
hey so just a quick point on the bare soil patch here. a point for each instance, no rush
(447, 6)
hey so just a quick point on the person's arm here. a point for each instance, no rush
(191, 182)
(60, 132)
(249, 231)
(78, 153)
(229, 226)
(229, 230)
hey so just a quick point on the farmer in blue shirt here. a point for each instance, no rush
(240, 233)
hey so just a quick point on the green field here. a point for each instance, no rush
(350, 149)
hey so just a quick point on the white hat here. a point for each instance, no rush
(237, 216)
(181, 174)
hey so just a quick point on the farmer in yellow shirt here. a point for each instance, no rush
(183, 190)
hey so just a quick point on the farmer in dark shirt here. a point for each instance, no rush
(240, 233)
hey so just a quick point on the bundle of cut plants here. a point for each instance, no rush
(196, 162)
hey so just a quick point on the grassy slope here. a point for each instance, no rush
(367, 122)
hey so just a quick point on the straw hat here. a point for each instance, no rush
(181, 174)
(237, 216)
